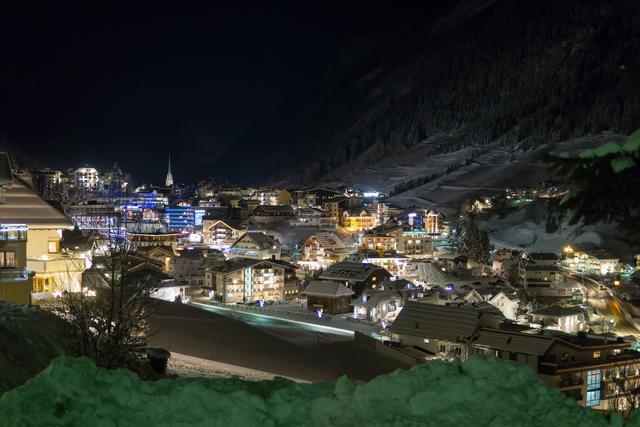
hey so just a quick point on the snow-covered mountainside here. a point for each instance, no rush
(491, 73)
(478, 392)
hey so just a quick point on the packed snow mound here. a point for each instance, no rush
(478, 392)
(29, 339)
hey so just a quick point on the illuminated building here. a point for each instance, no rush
(142, 241)
(92, 216)
(55, 271)
(265, 214)
(246, 280)
(323, 249)
(328, 297)
(357, 276)
(395, 238)
(393, 262)
(586, 258)
(15, 280)
(256, 245)
(272, 197)
(220, 234)
(358, 220)
(86, 178)
(433, 222)
(180, 218)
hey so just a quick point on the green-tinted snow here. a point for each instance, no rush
(633, 142)
(601, 151)
(29, 340)
(478, 392)
(622, 163)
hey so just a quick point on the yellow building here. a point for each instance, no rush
(360, 220)
(54, 270)
(247, 280)
(15, 279)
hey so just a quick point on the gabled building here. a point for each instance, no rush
(219, 233)
(393, 262)
(507, 302)
(357, 276)
(328, 297)
(266, 214)
(54, 270)
(322, 250)
(246, 280)
(439, 331)
(357, 220)
(376, 306)
(256, 245)
(559, 318)
(595, 371)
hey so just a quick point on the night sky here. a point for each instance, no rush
(97, 82)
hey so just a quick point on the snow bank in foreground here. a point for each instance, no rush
(479, 392)
(29, 340)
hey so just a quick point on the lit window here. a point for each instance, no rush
(596, 355)
(53, 246)
(593, 398)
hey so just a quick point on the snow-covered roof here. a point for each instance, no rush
(327, 288)
(23, 206)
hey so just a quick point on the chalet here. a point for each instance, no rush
(376, 306)
(564, 319)
(357, 276)
(266, 214)
(357, 220)
(256, 245)
(328, 297)
(323, 249)
(219, 233)
(438, 330)
(246, 280)
(54, 270)
(393, 262)
(507, 302)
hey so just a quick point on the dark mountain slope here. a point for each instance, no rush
(503, 72)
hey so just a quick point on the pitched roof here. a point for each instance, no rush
(345, 270)
(436, 321)
(558, 311)
(235, 264)
(260, 239)
(274, 209)
(514, 342)
(227, 222)
(375, 298)
(23, 206)
(543, 256)
(327, 288)
(327, 240)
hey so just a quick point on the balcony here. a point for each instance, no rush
(571, 382)
(14, 275)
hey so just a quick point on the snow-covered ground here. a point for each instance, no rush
(478, 392)
(519, 231)
(186, 366)
(488, 173)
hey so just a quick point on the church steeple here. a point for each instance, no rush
(169, 179)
